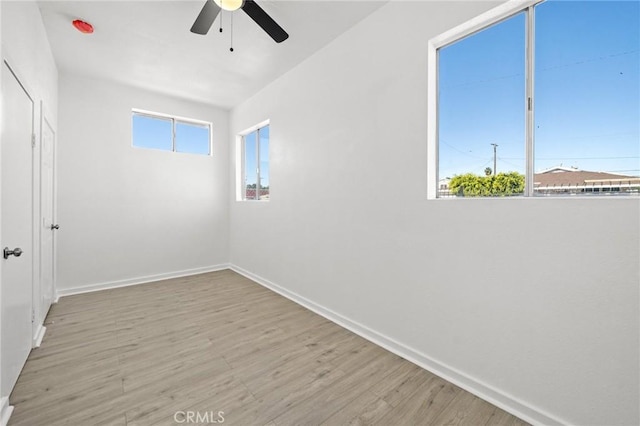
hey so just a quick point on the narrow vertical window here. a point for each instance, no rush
(263, 137)
(255, 164)
(251, 166)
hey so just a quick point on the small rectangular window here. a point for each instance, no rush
(255, 164)
(164, 132)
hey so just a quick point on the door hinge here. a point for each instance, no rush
(33, 140)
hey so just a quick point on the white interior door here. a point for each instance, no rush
(16, 229)
(47, 219)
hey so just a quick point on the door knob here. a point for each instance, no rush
(15, 252)
(55, 227)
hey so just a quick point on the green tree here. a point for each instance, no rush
(503, 184)
(511, 183)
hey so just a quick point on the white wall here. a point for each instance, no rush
(25, 47)
(532, 303)
(128, 214)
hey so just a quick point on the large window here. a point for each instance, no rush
(537, 98)
(164, 132)
(254, 165)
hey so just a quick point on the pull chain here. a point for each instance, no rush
(221, 16)
(231, 26)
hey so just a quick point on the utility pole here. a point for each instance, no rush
(495, 146)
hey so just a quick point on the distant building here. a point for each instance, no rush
(443, 188)
(250, 193)
(561, 180)
(569, 180)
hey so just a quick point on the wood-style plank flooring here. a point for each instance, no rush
(220, 342)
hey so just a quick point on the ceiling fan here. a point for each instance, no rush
(212, 8)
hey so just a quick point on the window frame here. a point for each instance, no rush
(174, 120)
(241, 164)
(469, 28)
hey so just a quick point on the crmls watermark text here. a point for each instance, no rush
(207, 417)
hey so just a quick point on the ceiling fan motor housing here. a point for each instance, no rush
(212, 8)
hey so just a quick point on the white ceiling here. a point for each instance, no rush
(148, 44)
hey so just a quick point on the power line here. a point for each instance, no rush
(445, 171)
(592, 136)
(599, 58)
(572, 158)
(586, 158)
(549, 68)
(510, 163)
(461, 151)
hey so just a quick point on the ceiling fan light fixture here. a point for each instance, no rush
(229, 5)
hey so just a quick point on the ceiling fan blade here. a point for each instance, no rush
(205, 19)
(265, 21)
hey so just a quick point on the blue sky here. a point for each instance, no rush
(192, 138)
(150, 132)
(587, 91)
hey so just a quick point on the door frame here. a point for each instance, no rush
(38, 325)
(45, 122)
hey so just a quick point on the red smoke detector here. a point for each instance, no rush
(83, 27)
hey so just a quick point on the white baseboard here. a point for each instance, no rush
(5, 411)
(487, 392)
(138, 280)
(37, 340)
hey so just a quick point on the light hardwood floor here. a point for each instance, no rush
(220, 342)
